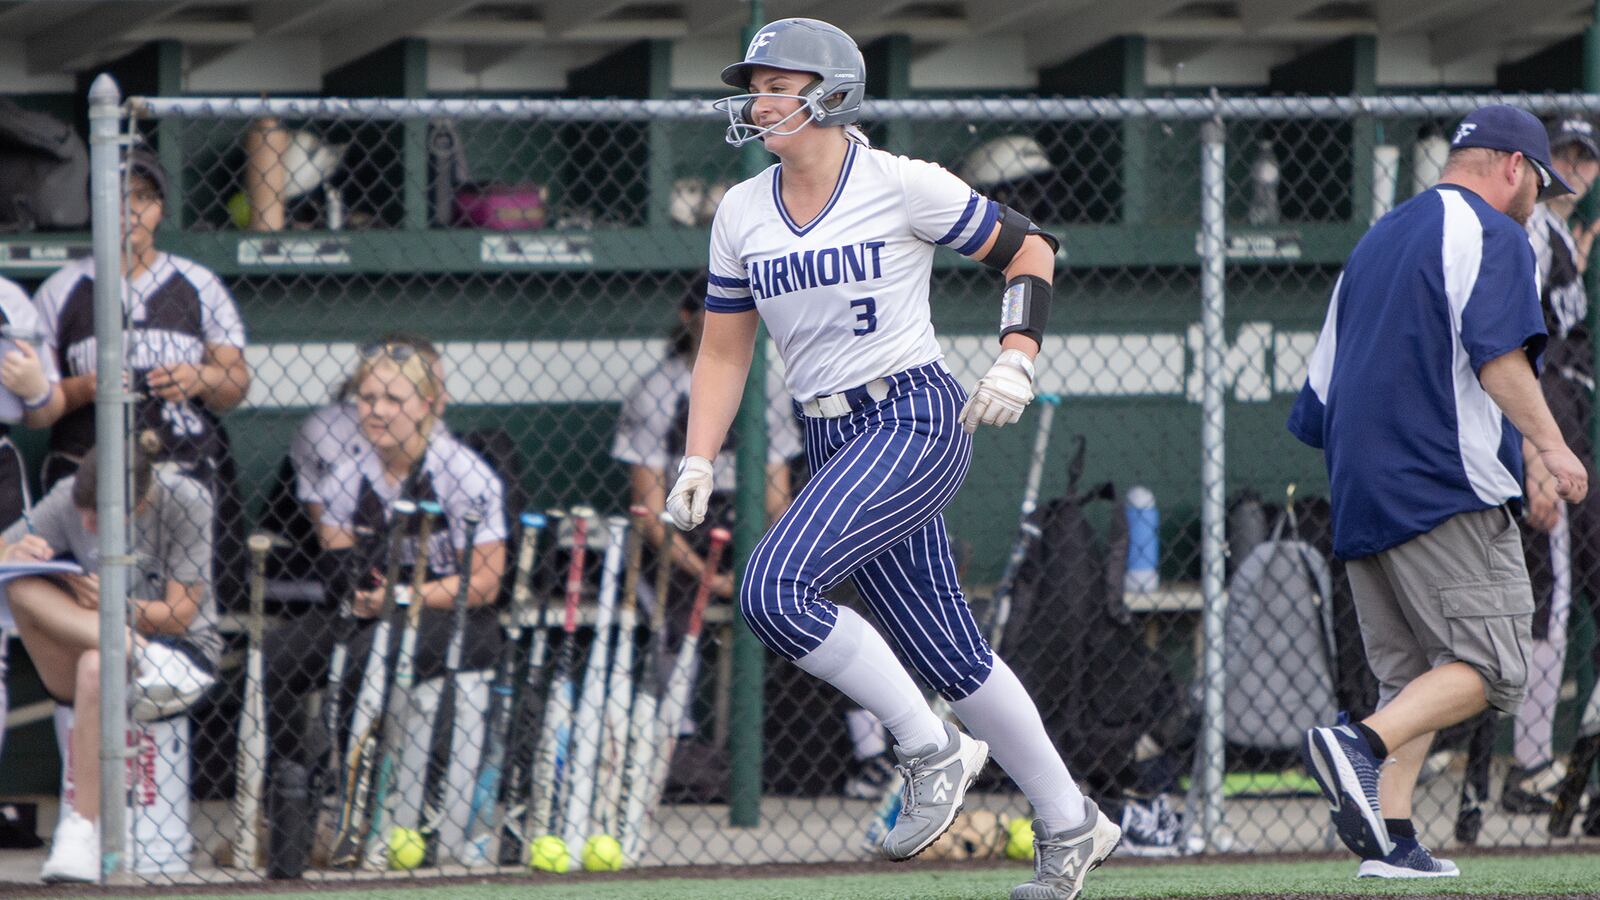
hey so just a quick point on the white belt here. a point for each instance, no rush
(832, 406)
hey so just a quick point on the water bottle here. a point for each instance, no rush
(333, 207)
(1144, 544)
(1264, 177)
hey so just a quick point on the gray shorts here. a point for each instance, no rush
(1459, 593)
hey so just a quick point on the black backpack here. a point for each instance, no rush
(1075, 645)
(44, 171)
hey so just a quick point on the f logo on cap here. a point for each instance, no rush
(757, 42)
(1462, 130)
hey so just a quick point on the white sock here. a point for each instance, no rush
(855, 659)
(1001, 713)
(866, 734)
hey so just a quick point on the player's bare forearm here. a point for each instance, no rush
(1510, 381)
(1034, 257)
(77, 391)
(335, 537)
(778, 490)
(488, 568)
(720, 370)
(171, 615)
(224, 378)
(648, 488)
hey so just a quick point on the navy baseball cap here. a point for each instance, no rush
(1512, 130)
(1574, 130)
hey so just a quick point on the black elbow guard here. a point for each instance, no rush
(1014, 229)
(1025, 307)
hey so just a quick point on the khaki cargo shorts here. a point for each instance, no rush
(1459, 593)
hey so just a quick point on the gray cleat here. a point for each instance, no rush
(935, 782)
(1062, 860)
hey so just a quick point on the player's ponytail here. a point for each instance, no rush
(85, 487)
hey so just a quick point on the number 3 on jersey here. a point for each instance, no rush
(868, 315)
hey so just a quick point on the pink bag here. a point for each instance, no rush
(501, 207)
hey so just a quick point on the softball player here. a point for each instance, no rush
(832, 249)
(403, 451)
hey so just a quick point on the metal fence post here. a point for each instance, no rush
(105, 119)
(1213, 536)
(745, 704)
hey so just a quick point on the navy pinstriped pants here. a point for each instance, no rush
(882, 475)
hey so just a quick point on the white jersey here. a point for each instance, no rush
(457, 476)
(326, 437)
(845, 297)
(177, 308)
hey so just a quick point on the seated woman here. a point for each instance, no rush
(327, 436)
(397, 393)
(173, 642)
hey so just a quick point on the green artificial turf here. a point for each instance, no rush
(1568, 874)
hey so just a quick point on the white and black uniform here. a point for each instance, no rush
(327, 437)
(356, 496)
(1565, 562)
(451, 474)
(174, 310)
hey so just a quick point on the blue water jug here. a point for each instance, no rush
(1144, 542)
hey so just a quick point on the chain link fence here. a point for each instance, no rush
(468, 327)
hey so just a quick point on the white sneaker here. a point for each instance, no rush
(74, 852)
(1062, 860)
(167, 683)
(935, 783)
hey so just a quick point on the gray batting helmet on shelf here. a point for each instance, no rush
(799, 45)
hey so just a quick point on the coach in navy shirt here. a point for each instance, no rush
(1422, 395)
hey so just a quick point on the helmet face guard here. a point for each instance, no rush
(833, 97)
(814, 107)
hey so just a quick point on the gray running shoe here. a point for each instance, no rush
(1062, 860)
(935, 783)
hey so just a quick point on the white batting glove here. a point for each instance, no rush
(690, 494)
(1002, 394)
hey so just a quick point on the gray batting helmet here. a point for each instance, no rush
(800, 45)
